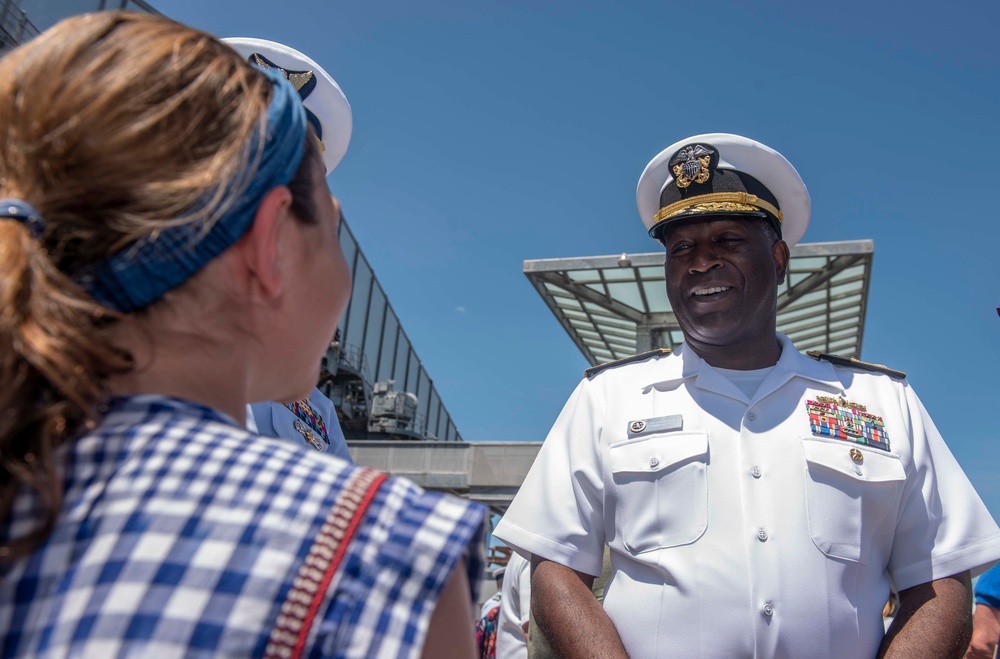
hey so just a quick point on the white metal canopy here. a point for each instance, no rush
(615, 306)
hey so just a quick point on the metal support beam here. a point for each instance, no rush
(818, 279)
(590, 295)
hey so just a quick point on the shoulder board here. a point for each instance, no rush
(851, 362)
(642, 356)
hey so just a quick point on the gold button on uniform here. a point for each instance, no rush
(857, 456)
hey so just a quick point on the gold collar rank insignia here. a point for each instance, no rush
(691, 165)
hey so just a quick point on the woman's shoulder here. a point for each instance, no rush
(156, 448)
(173, 498)
(267, 498)
(217, 460)
(407, 545)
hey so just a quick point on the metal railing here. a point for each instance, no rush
(131, 5)
(354, 358)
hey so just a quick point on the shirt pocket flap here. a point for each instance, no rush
(657, 452)
(875, 466)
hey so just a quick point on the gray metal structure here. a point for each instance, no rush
(15, 27)
(22, 20)
(616, 306)
(372, 348)
(487, 472)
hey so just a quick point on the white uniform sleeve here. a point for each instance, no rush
(251, 422)
(524, 592)
(943, 526)
(558, 513)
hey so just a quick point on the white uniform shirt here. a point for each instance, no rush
(742, 533)
(489, 605)
(515, 603)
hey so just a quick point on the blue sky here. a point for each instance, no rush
(489, 132)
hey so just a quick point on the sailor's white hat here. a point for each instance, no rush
(326, 105)
(720, 174)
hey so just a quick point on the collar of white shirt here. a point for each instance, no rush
(685, 364)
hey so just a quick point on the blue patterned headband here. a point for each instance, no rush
(141, 273)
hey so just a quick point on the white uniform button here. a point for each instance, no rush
(751, 415)
(653, 463)
(767, 609)
(755, 472)
(859, 471)
(762, 535)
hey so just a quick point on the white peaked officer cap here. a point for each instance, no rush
(719, 174)
(327, 108)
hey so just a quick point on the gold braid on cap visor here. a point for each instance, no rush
(717, 202)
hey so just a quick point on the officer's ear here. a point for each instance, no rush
(779, 251)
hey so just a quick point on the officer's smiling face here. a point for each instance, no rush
(722, 277)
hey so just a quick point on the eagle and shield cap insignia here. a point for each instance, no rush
(721, 174)
(692, 164)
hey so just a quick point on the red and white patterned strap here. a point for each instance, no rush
(288, 638)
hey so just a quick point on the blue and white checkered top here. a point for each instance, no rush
(180, 534)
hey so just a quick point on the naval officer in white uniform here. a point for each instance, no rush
(757, 502)
(311, 421)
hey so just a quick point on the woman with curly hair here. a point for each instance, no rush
(168, 254)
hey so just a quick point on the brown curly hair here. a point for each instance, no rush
(112, 125)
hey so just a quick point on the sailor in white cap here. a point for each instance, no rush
(757, 502)
(327, 109)
(311, 421)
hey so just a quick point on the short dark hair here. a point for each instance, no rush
(302, 186)
(770, 234)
